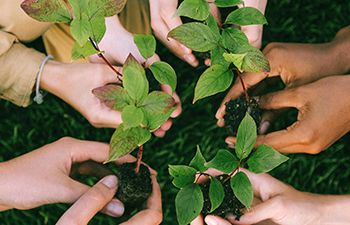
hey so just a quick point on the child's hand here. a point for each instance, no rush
(42, 176)
(296, 64)
(324, 116)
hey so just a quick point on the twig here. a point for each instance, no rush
(139, 158)
(243, 86)
(119, 75)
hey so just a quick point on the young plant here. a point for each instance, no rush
(230, 52)
(227, 193)
(142, 112)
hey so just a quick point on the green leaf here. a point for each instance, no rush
(213, 24)
(132, 116)
(79, 52)
(97, 28)
(105, 8)
(80, 29)
(146, 45)
(246, 137)
(236, 59)
(54, 11)
(265, 159)
(216, 57)
(216, 193)
(113, 96)
(134, 80)
(164, 74)
(215, 79)
(198, 161)
(196, 36)
(246, 16)
(194, 9)
(255, 61)
(157, 108)
(189, 203)
(233, 38)
(228, 3)
(224, 161)
(242, 188)
(125, 141)
(183, 175)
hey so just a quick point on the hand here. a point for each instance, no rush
(296, 64)
(74, 83)
(99, 195)
(282, 204)
(254, 32)
(118, 43)
(323, 117)
(42, 176)
(163, 20)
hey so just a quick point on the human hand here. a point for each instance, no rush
(99, 195)
(324, 116)
(295, 64)
(163, 20)
(254, 32)
(284, 205)
(42, 176)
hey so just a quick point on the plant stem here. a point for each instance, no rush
(243, 86)
(139, 158)
(105, 60)
(233, 172)
(202, 174)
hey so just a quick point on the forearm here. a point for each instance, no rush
(340, 47)
(336, 209)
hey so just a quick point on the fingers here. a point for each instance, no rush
(90, 203)
(249, 79)
(178, 110)
(282, 99)
(87, 150)
(112, 77)
(260, 212)
(215, 220)
(198, 221)
(153, 214)
(254, 34)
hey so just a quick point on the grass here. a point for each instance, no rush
(22, 130)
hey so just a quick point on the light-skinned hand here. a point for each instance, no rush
(95, 199)
(42, 176)
(284, 205)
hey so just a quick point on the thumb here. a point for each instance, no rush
(90, 203)
(266, 210)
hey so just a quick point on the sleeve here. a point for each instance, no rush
(18, 69)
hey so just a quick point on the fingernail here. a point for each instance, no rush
(263, 127)
(110, 181)
(211, 220)
(115, 208)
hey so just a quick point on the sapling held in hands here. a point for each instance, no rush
(142, 111)
(227, 193)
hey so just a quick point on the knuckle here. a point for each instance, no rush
(98, 194)
(65, 140)
(309, 137)
(316, 148)
(279, 202)
(274, 50)
(94, 119)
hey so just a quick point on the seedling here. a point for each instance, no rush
(230, 51)
(230, 192)
(142, 112)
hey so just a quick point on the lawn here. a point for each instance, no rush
(22, 130)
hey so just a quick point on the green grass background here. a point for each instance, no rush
(22, 130)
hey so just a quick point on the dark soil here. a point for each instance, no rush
(133, 189)
(230, 204)
(236, 110)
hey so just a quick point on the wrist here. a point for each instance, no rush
(51, 77)
(339, 50)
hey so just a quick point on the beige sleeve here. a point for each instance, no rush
(18, 69)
